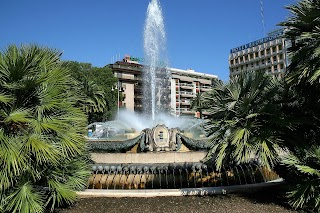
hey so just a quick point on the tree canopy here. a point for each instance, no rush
(42, 148)
(96, 85)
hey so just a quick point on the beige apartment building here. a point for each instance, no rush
(184, 86)
(269, 54)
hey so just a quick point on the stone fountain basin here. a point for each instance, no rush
(89, 193)
(150, 157)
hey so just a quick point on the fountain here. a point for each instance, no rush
(137, 152)
(155, 73)
(167, 158)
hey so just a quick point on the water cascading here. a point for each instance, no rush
(188, 175)
(156, 76)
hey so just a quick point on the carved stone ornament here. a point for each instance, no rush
(160, 138)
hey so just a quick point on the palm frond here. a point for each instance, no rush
(18, 116)
(6, 99)
(25, 199)
(60, 193)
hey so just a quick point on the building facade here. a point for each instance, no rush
(269, 54)
(184, 86)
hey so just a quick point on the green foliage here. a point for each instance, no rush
(303, 76)
(41, 131)
(245, 114)
(303, 29)
(25, 199)
(197, 104)
(95, 85)
(304, 166)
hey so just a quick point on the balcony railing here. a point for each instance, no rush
(127, 67)
(184, 93)
(185, 102)
(186, 110)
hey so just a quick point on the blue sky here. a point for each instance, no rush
(200, 33)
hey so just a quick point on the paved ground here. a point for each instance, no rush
(253, 203)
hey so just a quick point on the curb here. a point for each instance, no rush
(117, 193)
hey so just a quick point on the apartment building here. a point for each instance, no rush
(184, 86)
(268, 54)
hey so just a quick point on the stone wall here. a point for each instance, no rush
(150, 157)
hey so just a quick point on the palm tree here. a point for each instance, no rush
(197, 103)
(42, 149)
(303, 75)
(95, 84)
(94, 96)
(244, 118)
(303, 29)
(304, 166)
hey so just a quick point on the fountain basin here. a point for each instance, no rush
(181, 192)
(175, 176)
(150, 157)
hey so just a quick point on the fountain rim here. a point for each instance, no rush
(203, 191)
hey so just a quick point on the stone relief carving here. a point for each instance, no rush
(160, 138)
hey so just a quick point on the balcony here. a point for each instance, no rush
(185, 102)
(123, 67)
(205, 88)
(186, 85)
(185, 110)
(187, 94)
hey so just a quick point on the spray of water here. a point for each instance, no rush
(138, 122)
(156, 77)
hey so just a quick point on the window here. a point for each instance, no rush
(280, 57)
(280, 47)
(274, 49)
(274, 58)
(268, 51)
(281, 66)
(251, 56)
(262, 53)
(256, 54)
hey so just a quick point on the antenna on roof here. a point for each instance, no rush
(262, 16)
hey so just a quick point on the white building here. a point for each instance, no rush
(185, 85)
(269, 54)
